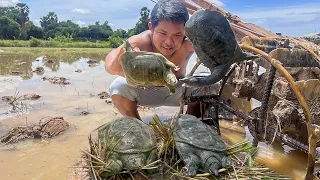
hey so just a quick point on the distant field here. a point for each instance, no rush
(54, 43)
(34, 52)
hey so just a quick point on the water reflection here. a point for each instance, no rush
(52, 65)
(22, 65)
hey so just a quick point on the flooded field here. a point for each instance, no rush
(54, 158)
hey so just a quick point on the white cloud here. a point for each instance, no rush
(37, 22)
(6, 3)
(111, 24)
(81, 11)
(302, 12)
(290, 20)
(80, 23)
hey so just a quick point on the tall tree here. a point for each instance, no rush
(49, 24)
(144, 19)
(33, 30)
(50, 19)
(10, 12)
(24, 13)
(9, 29)
(120, 33)
(67, 28)
(96, 32)
(106, 26)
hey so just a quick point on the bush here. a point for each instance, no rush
(51, 42)
(63, 39)
(34, 42)
(10, 29)
(115, 41)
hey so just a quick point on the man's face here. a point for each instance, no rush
(167, 37)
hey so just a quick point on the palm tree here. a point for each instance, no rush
(24, 13)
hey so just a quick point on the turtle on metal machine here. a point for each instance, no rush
(132, 143)
(199, 147)
(143, 69)
(215, 45)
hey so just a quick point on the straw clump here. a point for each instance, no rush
(169, 164)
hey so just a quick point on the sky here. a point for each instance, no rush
(289, 17)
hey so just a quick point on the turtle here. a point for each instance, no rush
(199, 146)
(132, 144)
(143, 69)
(215, 45)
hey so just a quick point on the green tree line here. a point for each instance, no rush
(15, 25)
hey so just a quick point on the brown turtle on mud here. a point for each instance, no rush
(131, 142)
(143, 69)
(199, 147)
(215, 45)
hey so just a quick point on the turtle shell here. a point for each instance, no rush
(128, 135)
(212, 38)
(144, 66)
(192, 131)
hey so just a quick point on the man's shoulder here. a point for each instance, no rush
(187, 45)
(142, 40)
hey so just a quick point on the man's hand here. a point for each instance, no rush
(135, 49)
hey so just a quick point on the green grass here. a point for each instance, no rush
(53, 43)
(52, 53)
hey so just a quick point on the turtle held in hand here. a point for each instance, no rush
(131, 142)
(143, 69)
(215, 45)
(199, 146)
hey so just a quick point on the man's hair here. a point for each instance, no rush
(172, 10)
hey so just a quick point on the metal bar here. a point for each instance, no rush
(260, 125)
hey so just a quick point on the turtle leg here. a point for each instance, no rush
(171, 78)
(214, 169)
(170, 81)
(171, 64)
(153, 156)
(217, 74)
(191, 165)
(212, 161)
(226, 162)
(113, 167)
(170, 87)
(189, 157)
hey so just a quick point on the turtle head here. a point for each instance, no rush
(134, 160)
(126, 46)
(113, 167)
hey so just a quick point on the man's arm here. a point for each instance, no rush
(112, 62)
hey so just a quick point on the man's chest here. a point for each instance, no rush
(180, 57)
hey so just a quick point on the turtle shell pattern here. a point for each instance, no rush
(190, 130)
(128, 135)
(144, 68)
(212, 38)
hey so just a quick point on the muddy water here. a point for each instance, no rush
(53, 159)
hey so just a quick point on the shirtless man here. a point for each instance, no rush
(166, 35)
